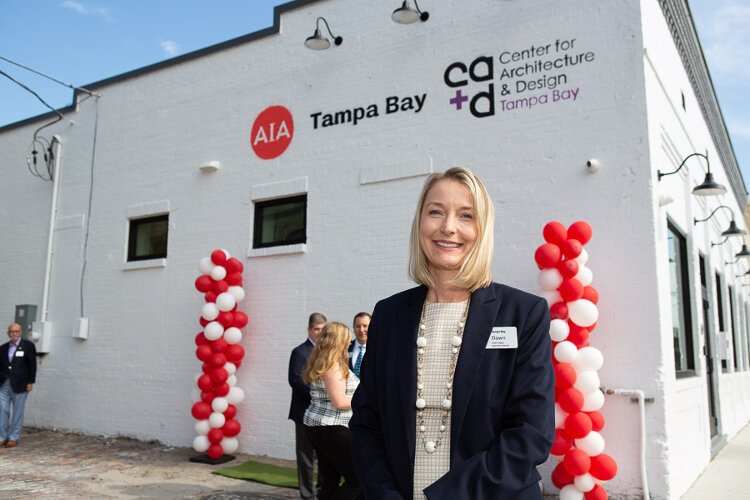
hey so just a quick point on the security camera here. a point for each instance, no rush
(593, 165)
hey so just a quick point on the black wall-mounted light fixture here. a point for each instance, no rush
(317, 41)
(408, 15)
(732, 230)
(709, 187)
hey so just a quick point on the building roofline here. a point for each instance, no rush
(234, 42)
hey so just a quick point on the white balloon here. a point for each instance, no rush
(558, 330)
(235, 396)
(205, 265)
(232, 380)
(202, 427)
(217, 420)
(195, 395)
(583, 312)
(225, 302)
(593, 401)
(592, 444)
(583, 258)
(550, 279)
(218, 273)
(589, 359)
(566, 352)
(587, 381)
(230, 367)
(237, 292)
(585, 276)
(560, 416)
(210, 312)
(570, 492)
(200, 444)
(213, 330)
(233, 335)
(219, 405)
(551, 296)
(229, 444)
(584, 482)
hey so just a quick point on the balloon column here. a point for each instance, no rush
(566, 284)
(215, 400)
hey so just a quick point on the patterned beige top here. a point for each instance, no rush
(441, 323)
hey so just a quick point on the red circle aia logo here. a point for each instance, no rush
(272, 132)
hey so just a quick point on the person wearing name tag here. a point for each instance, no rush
(17, 378)
(456, 399)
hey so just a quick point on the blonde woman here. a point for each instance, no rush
(457, 393)
(326, 420)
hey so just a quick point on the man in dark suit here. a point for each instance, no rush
(17, 377)
(358, 345)
(300, 402)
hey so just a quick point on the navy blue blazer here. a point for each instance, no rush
(300, 390)
(502, 421)
(22, 369)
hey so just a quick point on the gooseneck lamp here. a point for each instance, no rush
(319, 42)
(732, 230)
(709, 187)
(406, 14)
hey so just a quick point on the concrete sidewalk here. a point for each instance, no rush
(727, 476)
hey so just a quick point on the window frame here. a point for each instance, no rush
(258, 209)
(133, 224)
(685, 297)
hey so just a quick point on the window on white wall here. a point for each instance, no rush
(720, 312)
(735, 334)
(147, 238)
(281, 221)
(682, 331)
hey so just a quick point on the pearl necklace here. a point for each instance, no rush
(432, 445)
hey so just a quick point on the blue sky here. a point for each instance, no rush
(83, 41)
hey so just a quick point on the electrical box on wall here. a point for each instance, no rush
(41, 335)
(25, 316)
(81, 328)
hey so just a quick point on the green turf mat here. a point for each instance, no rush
(284, 477)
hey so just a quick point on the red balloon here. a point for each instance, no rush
(218, 360)
(547, 255)
(561, 477)
(590, 294)
(201, 410)
(203, 352)
(597, 421)
(562, 443)
(577, 425)
(219, 345)
(220, 286)
(231, 412)
(240, 319)
(571, 290)
(201, 339)
(234, 279)
(215, 451)
(580, 231)
(218, 257)
(233, 265)
(222, 390)
(603, 467)
(558, 310)
(219, 376)
(226, 318)
(597, 493)
(215, 436)
(571, 249)
(554, 232)
(578, 335)
(207, 368)
(568, 268)
(203, 321)
(571, 400)
(565, 377)
(234, 353)
(231, 427)
(204, 382)
(576, 462)
(204, 283)
(210, 296)
(207, 397)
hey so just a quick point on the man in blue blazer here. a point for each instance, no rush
(17, 378)
(358, 346)
(300, 402)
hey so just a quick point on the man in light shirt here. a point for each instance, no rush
(358, 346)
(17, 377)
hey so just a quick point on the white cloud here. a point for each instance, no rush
(78, 7)
(169, 47)
(74, 6)
(727, 40)
(739, 129)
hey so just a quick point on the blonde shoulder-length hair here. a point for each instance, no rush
(330, 350)
(476, 271)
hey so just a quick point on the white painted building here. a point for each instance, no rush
(523, 93)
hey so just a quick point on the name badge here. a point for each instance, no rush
(503, 337)
(19, 354)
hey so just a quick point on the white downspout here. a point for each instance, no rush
(637, 393)
(56, 139)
